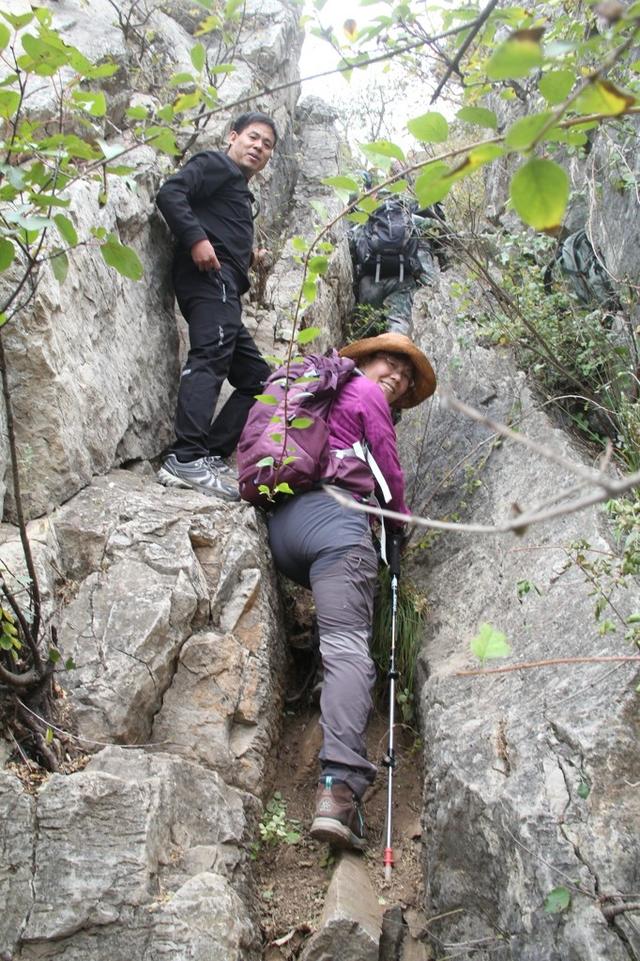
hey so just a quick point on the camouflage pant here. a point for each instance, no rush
(394, 296)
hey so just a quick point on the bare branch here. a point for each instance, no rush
(549, 662)
(464, 46)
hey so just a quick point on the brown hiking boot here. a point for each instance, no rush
(338, 818)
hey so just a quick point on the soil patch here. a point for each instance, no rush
(292, 878)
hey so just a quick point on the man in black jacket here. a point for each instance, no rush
(208, 207)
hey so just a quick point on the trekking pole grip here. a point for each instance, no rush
(394, 554)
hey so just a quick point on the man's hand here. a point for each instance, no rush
(204, 256)
(259, 255)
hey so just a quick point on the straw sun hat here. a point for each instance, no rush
(424, 379)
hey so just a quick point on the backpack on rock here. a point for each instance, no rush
(387, 245)
(284, 446)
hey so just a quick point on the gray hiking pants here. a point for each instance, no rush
(322, 545)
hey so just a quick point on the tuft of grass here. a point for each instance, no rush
(410, 617)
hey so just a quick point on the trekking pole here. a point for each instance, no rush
(390, 760)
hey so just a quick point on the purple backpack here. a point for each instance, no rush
(284, 446)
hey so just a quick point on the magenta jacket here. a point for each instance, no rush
(361, 413)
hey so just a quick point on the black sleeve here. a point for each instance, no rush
(201, 177)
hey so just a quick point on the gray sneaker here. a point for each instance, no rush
(220, 466)
(199, 474)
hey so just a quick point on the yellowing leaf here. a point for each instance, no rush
(350, 28)
(601, 96)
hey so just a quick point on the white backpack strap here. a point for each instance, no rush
(362, 451)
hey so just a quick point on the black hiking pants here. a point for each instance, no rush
(220, 348)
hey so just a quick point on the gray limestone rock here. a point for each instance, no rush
(530, 774)
(351, 922)
(153, 567)
(113, 857)
(17, 828)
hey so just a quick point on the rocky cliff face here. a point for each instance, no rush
(168, 605)
(531, 776)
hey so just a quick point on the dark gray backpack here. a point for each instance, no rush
(584, 271)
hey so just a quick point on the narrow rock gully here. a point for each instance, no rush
(318, 904)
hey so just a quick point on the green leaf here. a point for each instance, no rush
(633, 619)
(54, 655)
(267, 399)
(369, 204)
(319, 264)
(60, 266)
(69, 664)
(282, 488)
(429, 128)
(345, 183)
(163, 140)
(539, 192)
(601, 96)
(66, 229)
(265, 462)
(49, 735)
(299, 244)
(198, 56)
(27, 221)
(122, 258)
(9, 100)
(93, 101)
(382, 148)
(514, 58)
(301, 423)
(556, 85)
(7, 253)
(222, 68)
(583, 790)
(524, 131)
(309, 290)
(110, 150)
(479, 117)
(489, 643)
(5, 36)
(307, 335)
(431, 185)
(42, 58)
(179, 79)
(17, 21)
(557, 900)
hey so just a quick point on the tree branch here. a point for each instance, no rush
(549, 662)
(464, 46)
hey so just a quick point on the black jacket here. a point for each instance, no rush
(210, 198)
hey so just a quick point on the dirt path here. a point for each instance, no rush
(292, 879)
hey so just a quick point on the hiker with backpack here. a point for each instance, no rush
(208, 207)
(322, 544)
(392, 257)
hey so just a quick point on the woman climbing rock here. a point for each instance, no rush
(326, 546)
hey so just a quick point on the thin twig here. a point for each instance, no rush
(610, 911)
(464, 46)
(549, 662)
